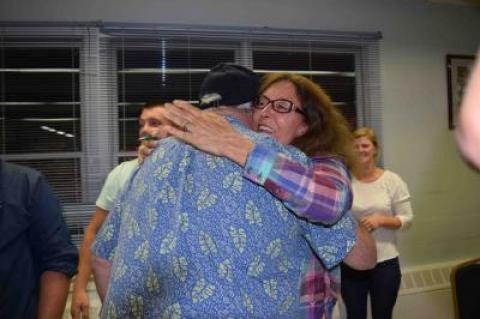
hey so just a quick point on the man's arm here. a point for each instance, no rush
(55, 255)
(363, 255)
(101, 271)
(80, 302)
(53, 294)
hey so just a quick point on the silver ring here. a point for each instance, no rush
(186, 127)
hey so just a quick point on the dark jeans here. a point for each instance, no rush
(382, 282)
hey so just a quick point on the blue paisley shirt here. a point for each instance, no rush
(192, 238)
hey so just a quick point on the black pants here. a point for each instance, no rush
(382, 282)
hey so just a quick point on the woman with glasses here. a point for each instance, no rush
(296, 111)
(293, 110)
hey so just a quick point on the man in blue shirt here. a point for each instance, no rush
(37, 258)
(195, 239)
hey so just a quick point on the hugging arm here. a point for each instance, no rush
(319, 192)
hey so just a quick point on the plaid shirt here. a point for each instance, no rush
(320, 193)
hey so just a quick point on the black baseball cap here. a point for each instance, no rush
(234, 83)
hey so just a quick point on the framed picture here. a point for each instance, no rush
(458, 69)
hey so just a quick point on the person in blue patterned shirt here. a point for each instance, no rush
(196, 239)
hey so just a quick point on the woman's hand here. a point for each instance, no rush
(371, 222)
(374, 221)
(207, 131)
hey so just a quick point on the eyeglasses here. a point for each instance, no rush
(279, 106)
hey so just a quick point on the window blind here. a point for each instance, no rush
(43, 111)
(70, 95)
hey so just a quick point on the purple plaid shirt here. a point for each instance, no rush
(320, 193)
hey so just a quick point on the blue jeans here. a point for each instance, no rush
(382, 283)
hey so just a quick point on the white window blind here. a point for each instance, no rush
(70, 95)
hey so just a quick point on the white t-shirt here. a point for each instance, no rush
(388, 195)
(116, 180)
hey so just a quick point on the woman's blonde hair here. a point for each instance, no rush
(328, 132)
(368, 133)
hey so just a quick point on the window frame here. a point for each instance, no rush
(69, 41)
(98, 44)
(151, 42)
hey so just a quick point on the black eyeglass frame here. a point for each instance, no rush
(291, 105)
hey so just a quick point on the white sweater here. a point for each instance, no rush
(388, 195)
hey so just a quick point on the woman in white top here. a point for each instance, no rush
(382, 204)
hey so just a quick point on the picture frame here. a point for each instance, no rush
(458, 70)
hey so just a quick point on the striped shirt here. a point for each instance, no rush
(320, 193)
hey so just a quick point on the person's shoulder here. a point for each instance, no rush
(328, 159)
(396, 186)
(128, 164)
(20, 180)
(11, 170)
(392, 178)
(240, 127)
(390, 175)
(290, 151)
(125, 167)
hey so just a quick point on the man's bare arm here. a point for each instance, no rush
(80, 302)
(52, 295)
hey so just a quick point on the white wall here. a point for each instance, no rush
(417, 36)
